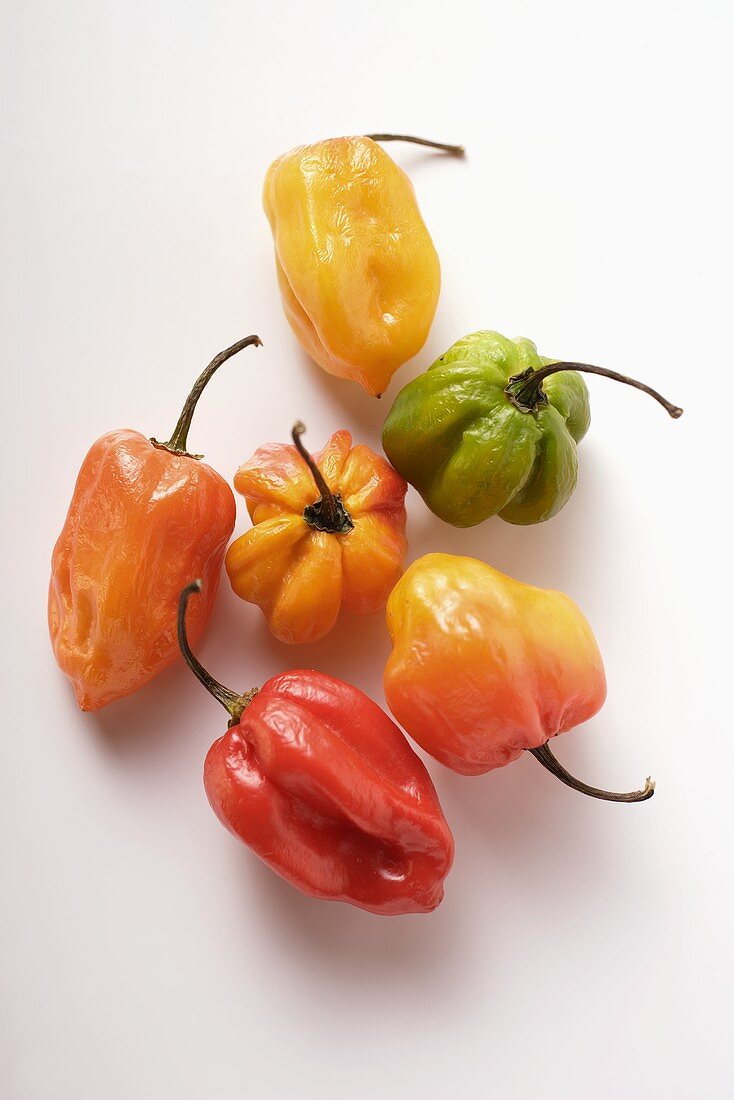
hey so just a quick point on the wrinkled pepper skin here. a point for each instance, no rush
(144, 518)
(483, 666)
(301, 576)
(358, 273)
(455, 434)
(324, 787)
(141, 523)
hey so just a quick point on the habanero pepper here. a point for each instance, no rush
(492, 427)
(323, 786)
(358, 273)
(328, 533)
(144, 516)
(484, 667)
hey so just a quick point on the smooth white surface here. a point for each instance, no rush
(583, 949)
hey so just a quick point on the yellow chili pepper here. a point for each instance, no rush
(327, 533)
(357, 269)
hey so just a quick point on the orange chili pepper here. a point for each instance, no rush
(357, 269)
(144, 518)
(485, 667)
(328, 533)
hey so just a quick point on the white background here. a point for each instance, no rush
(583, 949)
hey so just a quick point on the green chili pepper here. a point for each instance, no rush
(491, 428)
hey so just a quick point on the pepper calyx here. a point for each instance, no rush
(525, 391)
(173, 450)
(333, 519)
(328, 513)
(242, 704)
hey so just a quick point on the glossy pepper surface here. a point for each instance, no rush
(328, 533)
(492, 428)
(484, 667)
(358, 273)
(143, 517)
(323, 786)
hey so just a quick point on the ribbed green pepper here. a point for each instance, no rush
(491, 428)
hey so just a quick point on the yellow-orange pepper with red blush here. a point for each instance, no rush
(328, 532)
(485, 667)
(357, 269)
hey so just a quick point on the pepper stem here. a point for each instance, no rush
(178, 441)
(549, 762)
(456, 150)
(327, 513)
(233, 703)
(526, 390)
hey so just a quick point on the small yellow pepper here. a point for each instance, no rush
(357, 269)
(328, 532)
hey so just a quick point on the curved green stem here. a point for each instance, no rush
(178, 441)
(327, 513)
(526, 390)
(456, 150)
(233, 703)
(549, 762)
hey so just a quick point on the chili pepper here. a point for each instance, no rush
(323, 786)
(328, 533)
(143, 517)
(492, 427)
(485, 667)
(357, 269)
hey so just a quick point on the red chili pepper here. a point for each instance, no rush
(324, 787)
